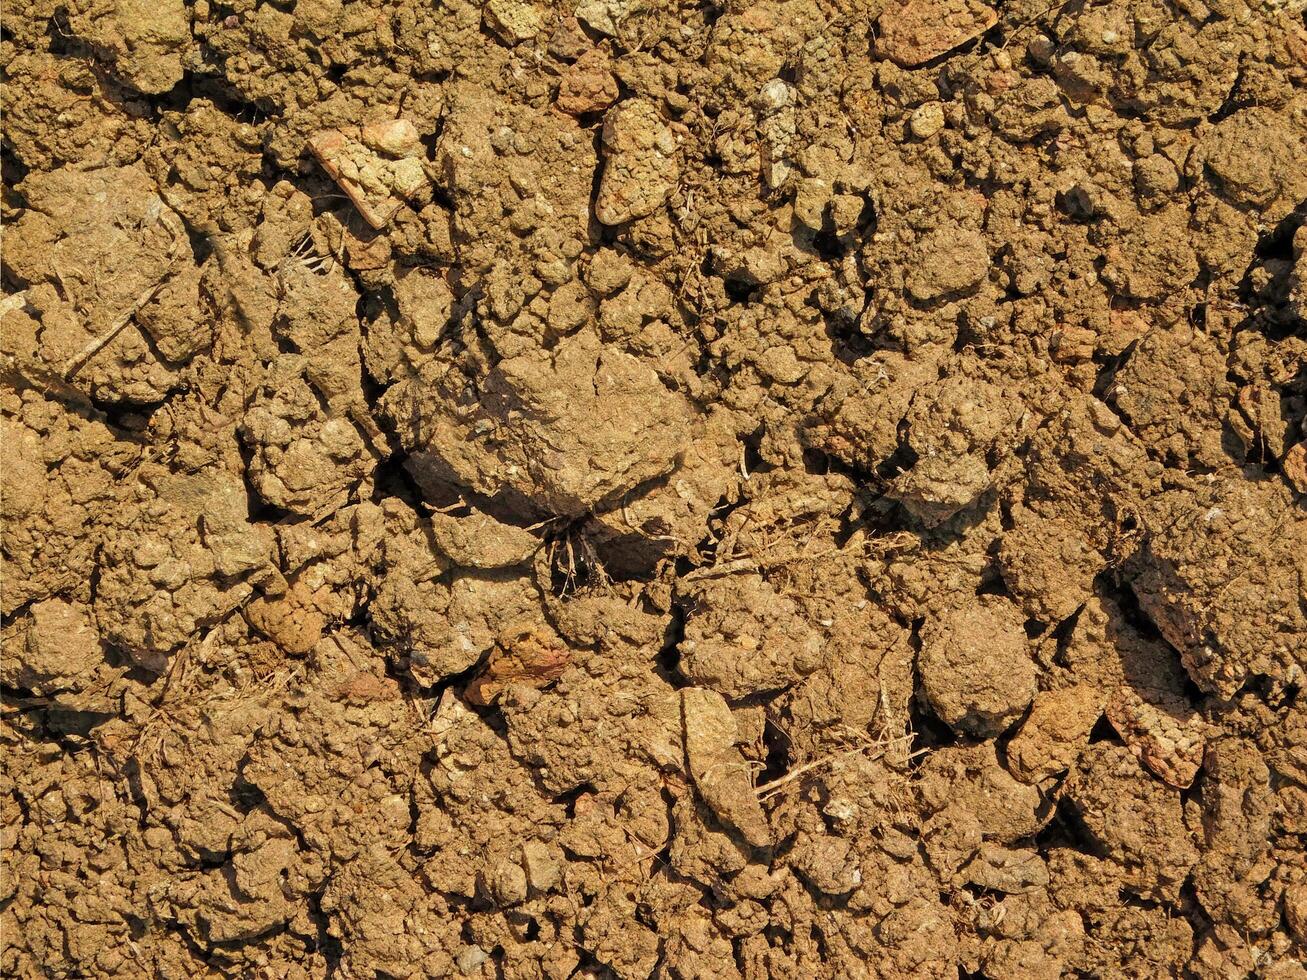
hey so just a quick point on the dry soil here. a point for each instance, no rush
(639, 488)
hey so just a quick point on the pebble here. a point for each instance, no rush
(927, 120)
(777, 125)
(604, 16)
(394, 137)
(469, 959)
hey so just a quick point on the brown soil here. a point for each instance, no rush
(795, 488)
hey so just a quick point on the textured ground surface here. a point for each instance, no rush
(755, 489)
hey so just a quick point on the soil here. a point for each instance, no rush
(631, 489)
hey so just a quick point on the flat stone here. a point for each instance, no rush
(919, 31)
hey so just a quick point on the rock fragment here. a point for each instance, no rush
(588, 85)
(918, 31)
(777, 125)
(524, 656)
(393, 137)
(926, 120)
(378, 186)
(640, 165)
(607, 16)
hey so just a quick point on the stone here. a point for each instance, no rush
(919, 31)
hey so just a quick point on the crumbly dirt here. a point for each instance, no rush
(624, 489)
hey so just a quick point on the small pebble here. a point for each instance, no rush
(394, 137)
(469, 959)
(927, 120)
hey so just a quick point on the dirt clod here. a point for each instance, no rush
(976, 668)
